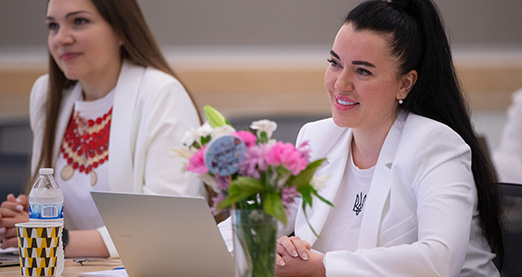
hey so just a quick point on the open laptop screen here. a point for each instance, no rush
(158, 235)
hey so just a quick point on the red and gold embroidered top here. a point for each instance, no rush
(86, 145)
(82, 164)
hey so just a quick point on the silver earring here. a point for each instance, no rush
(400, 101)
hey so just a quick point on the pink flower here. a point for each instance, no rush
(222, 183)
(287, 155)
(305, 149)
(215, 201)
(254, 161)
(197, 162)
(288, 195)
(248, 138)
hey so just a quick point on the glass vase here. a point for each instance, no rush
(254, 243)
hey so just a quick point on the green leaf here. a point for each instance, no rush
(306, 175)
(241, 189)
(315, 164)
(196, 145)
(215, 118)
(282, 171)
(273, 205)
(306, 194)
(322, 198)
(263, 138)
(205, 140)
(308, 221)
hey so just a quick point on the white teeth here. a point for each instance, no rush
(345, 102)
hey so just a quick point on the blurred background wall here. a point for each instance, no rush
(252, 58)
(268, 22)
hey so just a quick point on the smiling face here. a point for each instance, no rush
(81, 42)
(363, 80)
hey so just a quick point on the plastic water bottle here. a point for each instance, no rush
(46, 205)
(46, 199)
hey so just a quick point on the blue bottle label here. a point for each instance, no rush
(46, 211)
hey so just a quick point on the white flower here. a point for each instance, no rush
(195, 134)
(204, 130)
(264, 125)
(223, 130)
(184, 152)
(271, 142)
(188, 139)
(319, 182)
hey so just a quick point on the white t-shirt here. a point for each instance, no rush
(341, 230)
(80, 212)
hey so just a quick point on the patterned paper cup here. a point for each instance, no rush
(38, 246)
(38, 252)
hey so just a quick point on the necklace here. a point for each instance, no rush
(86, 145)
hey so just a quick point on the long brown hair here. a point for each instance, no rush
(139, 47)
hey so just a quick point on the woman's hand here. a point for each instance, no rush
(295, 258)
(12, 211)
(293, 246)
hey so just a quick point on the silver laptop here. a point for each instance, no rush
(9, 257)
(159, 235)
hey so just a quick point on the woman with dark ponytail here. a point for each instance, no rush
(413, 192)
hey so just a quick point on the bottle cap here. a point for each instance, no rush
(46, 170)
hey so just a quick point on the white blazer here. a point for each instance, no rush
(151, 113)
(420, 215)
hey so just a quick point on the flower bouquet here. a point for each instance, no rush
(254, 176)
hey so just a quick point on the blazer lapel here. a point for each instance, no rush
(65, 116)
(335, 162)
(120, 148)
(380, 186)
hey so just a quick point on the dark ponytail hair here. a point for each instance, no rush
(419, 41)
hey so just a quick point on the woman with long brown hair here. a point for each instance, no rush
(105, 118)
